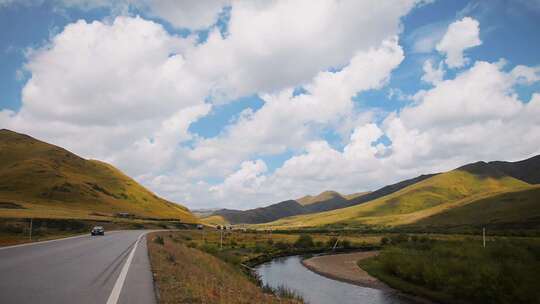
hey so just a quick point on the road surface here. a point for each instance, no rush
(110, 269)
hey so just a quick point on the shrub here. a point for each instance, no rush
(304, 241)
(330, 243)
(159, 240)
(281, 245)
(171, 258)
(346, 244)
(209, 248)
(385, 241)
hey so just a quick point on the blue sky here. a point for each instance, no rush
(233, 134)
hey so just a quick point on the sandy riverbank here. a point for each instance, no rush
(343, 267)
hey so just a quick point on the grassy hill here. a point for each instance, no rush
(432, 195)
(328, 200)
(42, 180)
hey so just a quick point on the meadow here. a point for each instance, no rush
(507, 270)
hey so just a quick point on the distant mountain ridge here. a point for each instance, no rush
(526, 170)
(325, 201)
(504, 194)
(46, 181)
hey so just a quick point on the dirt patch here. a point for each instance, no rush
(343, 267)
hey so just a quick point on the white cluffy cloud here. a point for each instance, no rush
(120, 84)
(461, 35)
(431, 74)
(475, 116)
(125, 90)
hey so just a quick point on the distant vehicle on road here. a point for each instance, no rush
(97, 230)
(200, 227)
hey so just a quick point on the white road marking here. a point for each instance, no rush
(115, 293)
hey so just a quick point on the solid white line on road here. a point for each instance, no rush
(115, 293)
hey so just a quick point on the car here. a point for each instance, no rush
(97, 230)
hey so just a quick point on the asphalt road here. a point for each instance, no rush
(86, 269)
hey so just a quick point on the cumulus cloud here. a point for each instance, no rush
(475, 116)
(461, 35)
(117, 83)
(126, 91)
(432, 74)
(287, 120)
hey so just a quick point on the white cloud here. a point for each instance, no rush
(120, 84)
(126, 91)
(288, 121)
(461, 35)
(432, 75)
(186, 14)
(475, 116)
(276, 44)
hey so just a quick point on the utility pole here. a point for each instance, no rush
(484, 236)
(221, 240)
(30, 229)
(335, 244)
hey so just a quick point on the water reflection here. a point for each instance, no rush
(317, 289)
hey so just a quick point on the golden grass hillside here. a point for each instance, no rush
(42, 180)
(409, 205)
(214, 220)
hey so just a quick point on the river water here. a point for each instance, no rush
(316, 289)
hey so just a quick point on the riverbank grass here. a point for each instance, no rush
(506, 271)
(185, 274)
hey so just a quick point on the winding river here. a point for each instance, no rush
(316, 289)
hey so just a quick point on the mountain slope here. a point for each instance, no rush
(527, 170)
(263, 214)
(44, 180)
(328, 200)
(418, 200)
(513, 209)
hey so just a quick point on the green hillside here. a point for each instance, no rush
(420, 200)
(513, 209)
(42, 180)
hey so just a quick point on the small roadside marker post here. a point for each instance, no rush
(484, 236)
(335, 244)
(30, 229)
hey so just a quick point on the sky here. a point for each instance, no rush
(240, 104)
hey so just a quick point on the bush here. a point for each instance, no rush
(385, 241)
(304, 241)
(159, 240)
(346, 244)
(400, 238)
(281, 245)
(209, 248)
(330, 243)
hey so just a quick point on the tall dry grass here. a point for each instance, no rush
(188, 275)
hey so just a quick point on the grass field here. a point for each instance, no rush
(185, 274)
(461, 271)
(41, 180)
(422, 200)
